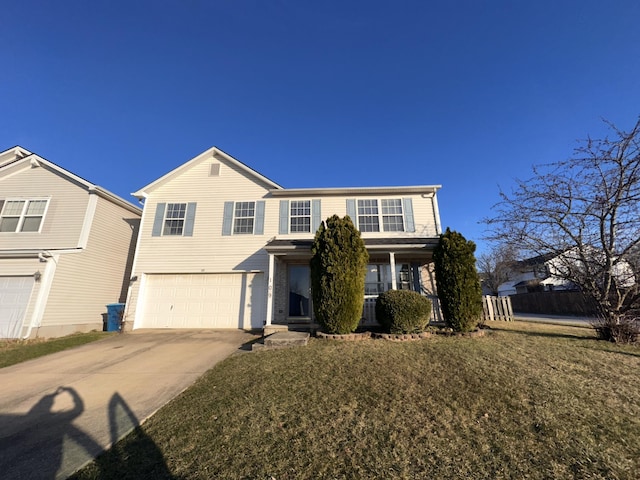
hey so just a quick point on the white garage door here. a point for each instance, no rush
(14, 299)
(228, 300)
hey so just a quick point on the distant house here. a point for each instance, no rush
(66, 248)
(549, 272)
(223, 246)
(535, 274)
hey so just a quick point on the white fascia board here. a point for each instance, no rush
(91, 187)
(35, 252)
(113, 198)
(12, 155)
(342, 191)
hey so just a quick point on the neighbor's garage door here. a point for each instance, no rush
(233, 300)
(14, 299)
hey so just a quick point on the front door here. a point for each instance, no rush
(299, 291)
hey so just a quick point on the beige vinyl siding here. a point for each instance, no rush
(207, 251)
(63, 220)
(85, 282)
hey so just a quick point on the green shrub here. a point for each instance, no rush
(457, 281)
(338, 269)
(403, 311)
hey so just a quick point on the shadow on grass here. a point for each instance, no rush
(529, 333)
(135, 457)
(601, 345)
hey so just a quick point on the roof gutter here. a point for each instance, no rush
(300, 192)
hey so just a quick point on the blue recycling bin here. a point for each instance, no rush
(114, 316)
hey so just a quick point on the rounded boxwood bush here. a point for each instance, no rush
(403, 311)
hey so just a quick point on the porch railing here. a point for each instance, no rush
(369, 310)
(494, 308)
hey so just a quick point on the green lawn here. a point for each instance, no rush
(525, 401)
(16, 351)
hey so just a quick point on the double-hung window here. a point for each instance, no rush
(175, 215)
(368, 215)
(382, 215)
(300, 216)
(392, 215)
(22, 215)
(174, 220)
(243, 217)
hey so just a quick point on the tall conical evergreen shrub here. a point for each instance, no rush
(338, 269)
(457, 281)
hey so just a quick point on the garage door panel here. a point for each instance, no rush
(203, 301)
(15, 293)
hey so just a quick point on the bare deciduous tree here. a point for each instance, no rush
(586, 212)
(496, 266)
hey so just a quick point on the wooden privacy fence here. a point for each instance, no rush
(497, 308)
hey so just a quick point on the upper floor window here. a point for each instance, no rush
(392, 215)
(368, 216)
(243, 217)
(174, 219)
(389, 213)
(22, 215)
(300, 216)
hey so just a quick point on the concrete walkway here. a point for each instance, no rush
(555, 319)
(60, 411)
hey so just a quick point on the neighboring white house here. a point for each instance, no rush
(66, 248)
(222, 246)
(549, 272)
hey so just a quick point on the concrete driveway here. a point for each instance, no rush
(60, 411)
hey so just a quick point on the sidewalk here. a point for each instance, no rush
(554, 319)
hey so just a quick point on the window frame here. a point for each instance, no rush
(389, 215)
(368, 203)
(308, 215)
(166, 218)
(236, 229)
(381, 218)
(23, 216)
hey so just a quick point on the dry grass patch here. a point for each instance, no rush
(526, 401)
(17, 351)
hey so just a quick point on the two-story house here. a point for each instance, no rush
(222, 246)
(66, 248)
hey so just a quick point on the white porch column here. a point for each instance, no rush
(270, 289)
(392, 263)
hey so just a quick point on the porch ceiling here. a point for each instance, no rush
(416, 247)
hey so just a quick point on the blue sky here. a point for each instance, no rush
(467, 94)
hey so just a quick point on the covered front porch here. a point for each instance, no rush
(394, 263)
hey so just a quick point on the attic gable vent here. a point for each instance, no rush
(215, 170)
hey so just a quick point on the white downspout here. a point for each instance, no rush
(436, 213)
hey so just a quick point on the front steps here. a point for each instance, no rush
(281, 339)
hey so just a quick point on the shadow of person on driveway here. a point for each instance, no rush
(136, 456)
(33, 445)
